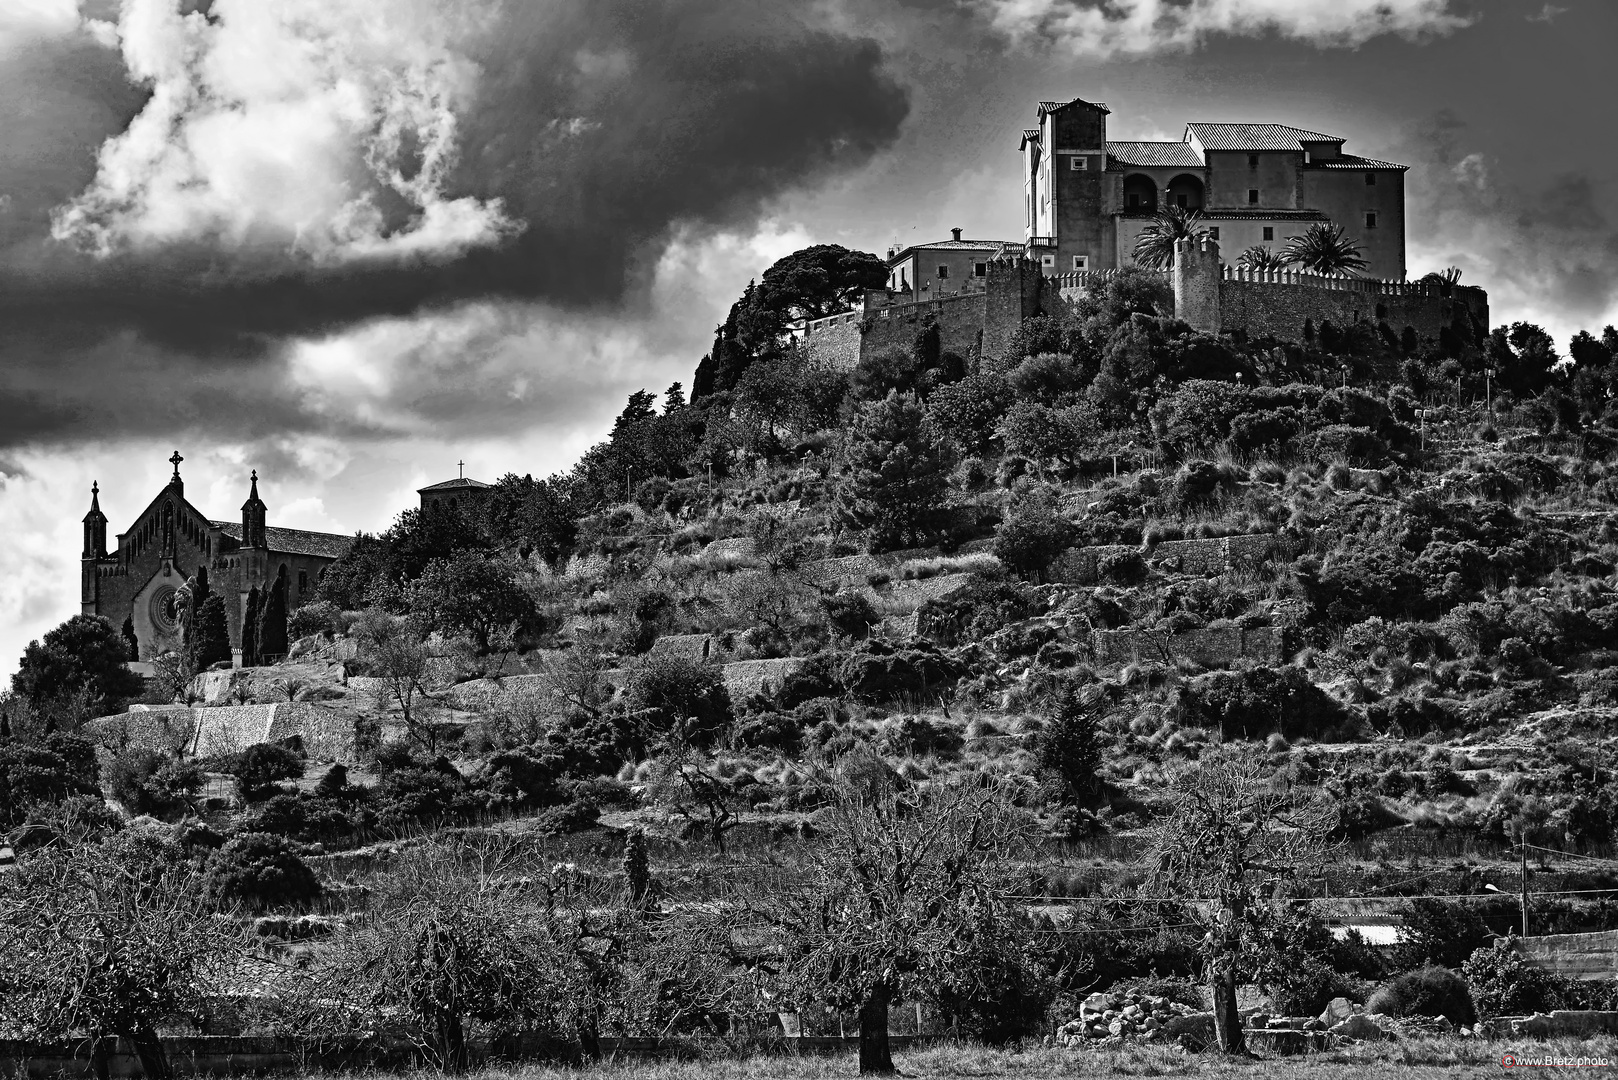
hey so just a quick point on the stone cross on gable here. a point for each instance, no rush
(461, 465)
(175, 460)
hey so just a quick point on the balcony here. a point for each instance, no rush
(1042, 241)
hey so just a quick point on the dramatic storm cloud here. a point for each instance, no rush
(1545, 250)
(200, 190)
(1103, 28)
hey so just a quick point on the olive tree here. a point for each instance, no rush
(912, 896)
(108, 941)
(1235, 838)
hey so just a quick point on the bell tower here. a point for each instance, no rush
(253, 516)
(95, 550)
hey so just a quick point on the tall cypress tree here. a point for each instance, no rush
(272, 622)
(255, 604)
(211, 633)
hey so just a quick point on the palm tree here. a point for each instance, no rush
(1324, 249)
(1154, 247)
(1259, 257)
(1445, 279)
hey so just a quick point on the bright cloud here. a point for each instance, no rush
(1134, 27)
(323, 130)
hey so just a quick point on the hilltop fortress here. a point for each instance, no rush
(1085, 202)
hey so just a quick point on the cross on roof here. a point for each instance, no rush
(175, 460)
(461, 465)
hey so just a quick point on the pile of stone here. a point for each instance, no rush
(1111, 1019)
(1121, 1016)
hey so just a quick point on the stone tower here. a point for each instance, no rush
(1065, 188)
(1197, 273)
(95, 549)
(1011, 294)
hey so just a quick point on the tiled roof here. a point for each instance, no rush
(1348, 161)
(1255, 136)
(993, 247)
(1053, 106)
(1235, 214)
(1030, 135)
(293, 541)
(1177, 155)
(460, 484)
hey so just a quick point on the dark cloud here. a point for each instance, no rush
(1547, 248)
(601, 125)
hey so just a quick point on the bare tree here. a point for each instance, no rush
(911, 896)
(102, 943)
(399, 657)
(685, 782)
(576, 678)
(1238, 837)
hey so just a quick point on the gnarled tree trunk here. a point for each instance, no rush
(875, 1057)
(154, 1062)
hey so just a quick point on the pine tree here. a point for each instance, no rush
(895, 473)
(212, 634)
(272, 621)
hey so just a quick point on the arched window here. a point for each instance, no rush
(1140, 194)
(1185, 192)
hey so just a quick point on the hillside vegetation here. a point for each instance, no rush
(1083, 579)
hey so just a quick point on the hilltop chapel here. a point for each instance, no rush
(171, 540)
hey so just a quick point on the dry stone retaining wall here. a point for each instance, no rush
(744, 678)
(1214, 646)
(1081, 566)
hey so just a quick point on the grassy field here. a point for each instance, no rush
(1420, 1058)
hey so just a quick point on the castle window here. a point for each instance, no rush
(1269, 232)
(1080, 164)
(1370, 179)
(1213, 233)
(1252, 196)
(1181, 200)
(943, 272)
(1081, 262)
(303, 582)
(1252, 161)
(1370, 220)
(980, 269)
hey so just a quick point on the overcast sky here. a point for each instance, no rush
(351, 244)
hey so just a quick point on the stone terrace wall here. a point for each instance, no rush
(744, 678)
(327, 733)
(1580, 956)
(1081, 566)
(1214, 647)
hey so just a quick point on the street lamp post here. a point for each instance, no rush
(1345, 376)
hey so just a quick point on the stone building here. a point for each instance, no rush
(945, 267)
(170, 540)
(462, 493)
(1086, 198)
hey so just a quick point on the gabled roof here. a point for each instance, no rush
(1256, 136)
(1057, 106)
(464, 483)
(994, 248)
(1173, 155)
(293, 541)
(1029, 135)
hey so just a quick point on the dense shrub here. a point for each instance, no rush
(147, 782)
(34, 776)
(1251, 704)
(259, 768)
(258, 870)
(879, 671)
(1505, 984)
(1439, 932)
(1428, 991)
(1069, 747)
(670, 693)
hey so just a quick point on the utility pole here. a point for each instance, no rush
(1522, 850)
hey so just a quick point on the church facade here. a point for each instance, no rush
(170, 540)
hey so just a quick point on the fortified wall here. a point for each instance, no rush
(1218, 299)
(981, 318)
(1211, 297)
